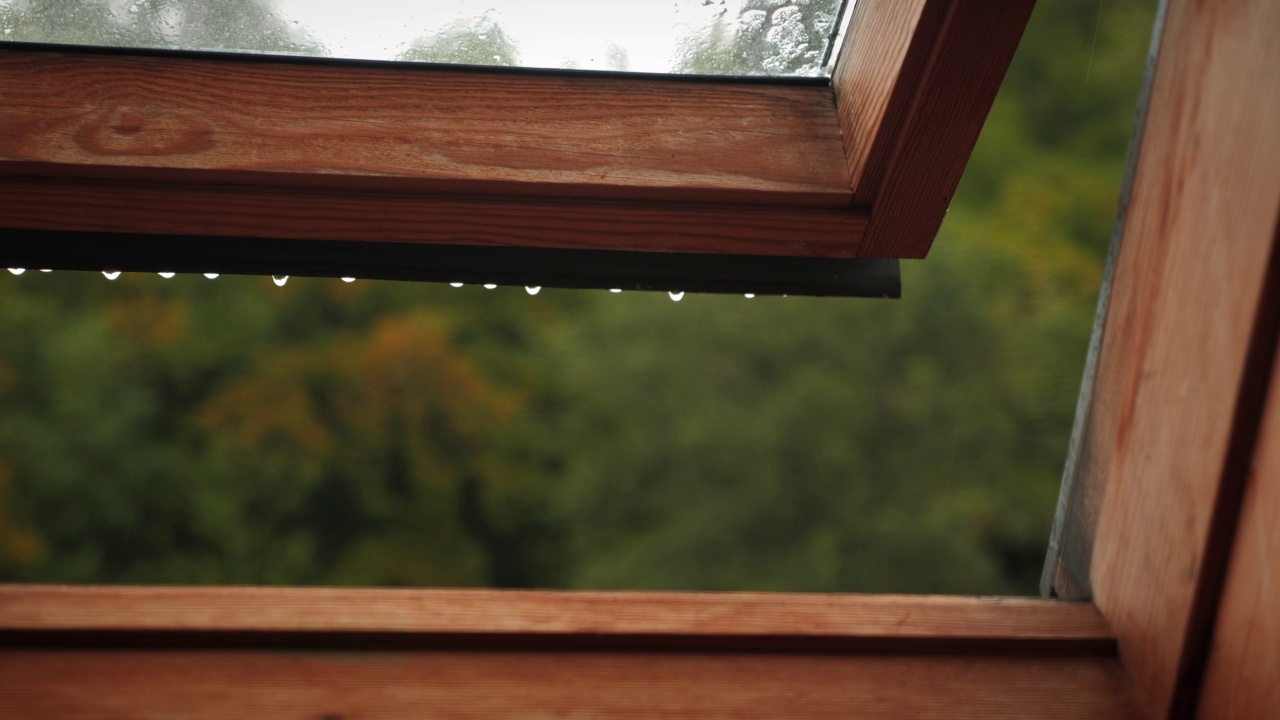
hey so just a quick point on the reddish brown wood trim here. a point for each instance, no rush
(170, 683)
(330, 214)
(1244, 660)
(1173, 410)
(910, 140)
(532, 613)
(73, 114)
(880, 64)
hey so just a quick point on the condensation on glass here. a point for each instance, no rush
(717, 37)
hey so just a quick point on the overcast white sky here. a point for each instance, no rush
(549, 33)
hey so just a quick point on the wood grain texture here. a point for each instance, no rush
(998, 621)
(881, 61)
(1177, 358)
(502, 221)
(168, 684)
(259, 122)
(1243, 676)
(916, 162)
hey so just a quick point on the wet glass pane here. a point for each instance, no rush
(733, 37)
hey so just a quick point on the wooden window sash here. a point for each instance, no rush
(246, 146)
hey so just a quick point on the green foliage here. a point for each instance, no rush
(380, 433)
(473, 41)
(243, 25)
(768, 37)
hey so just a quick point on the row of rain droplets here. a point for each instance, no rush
(280, 280)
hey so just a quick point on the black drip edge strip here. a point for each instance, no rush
(553, 268)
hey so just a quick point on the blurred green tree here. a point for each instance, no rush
(470, 41)
(246, 25)
(767, 37)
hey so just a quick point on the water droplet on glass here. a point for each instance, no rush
(111, 274)
(748, 295)
(455, 284)
(489, 286)
(17, 271)
(280, 280)
(676, 296)
(211, 276)
(615, 290)
(348, 279)
(533, 290)
(166, 275)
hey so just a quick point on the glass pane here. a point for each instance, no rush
(723, 37)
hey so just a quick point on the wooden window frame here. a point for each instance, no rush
(1179, 424)
(655, 182)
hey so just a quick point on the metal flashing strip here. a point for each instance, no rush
(1066, 566)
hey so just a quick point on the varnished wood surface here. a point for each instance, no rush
(881, 61)
(1001, 622)
(938, 657)
(330, 214)
(1176, 369)
(918, 155)
(1243, 676)
(251, 148)
(223, 120)
(168, 684)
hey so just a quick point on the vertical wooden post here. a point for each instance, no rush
(1189, 339)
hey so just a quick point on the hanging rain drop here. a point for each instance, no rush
(211, 276)
(455, 284)
(748, 295)
(348, 279)
(676, 296)
(46, 271)
(615, 290)
(533, 290)
(166, 275)
(17, 271)
(489, 286)
(111, 274)
(280, 280)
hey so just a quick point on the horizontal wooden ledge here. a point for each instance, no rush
(223, 684)
(326, 214)
(880, 622)
(228, 119)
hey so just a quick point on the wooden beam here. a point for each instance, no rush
(259, 121)
(913, 87)
(764, 620)
(44, 203)
(174, 683)
(73, 652)
(1187, 345)
(1244, 660)
(880, 64)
